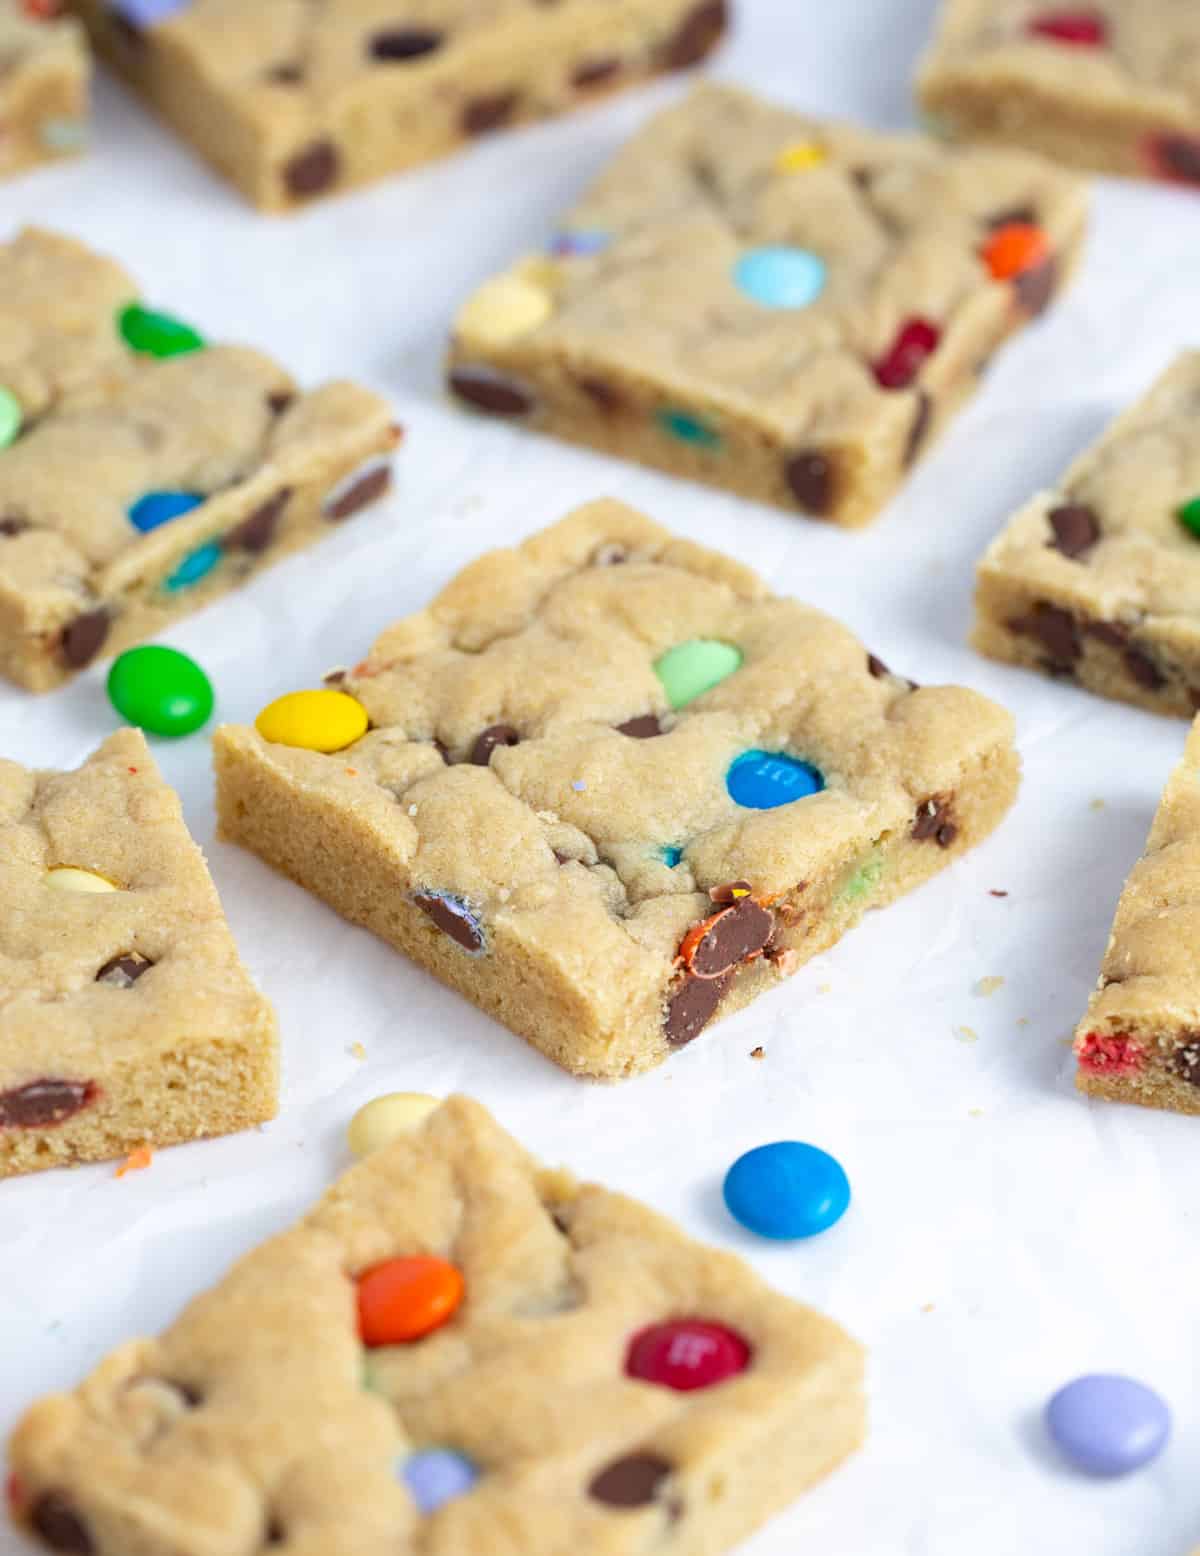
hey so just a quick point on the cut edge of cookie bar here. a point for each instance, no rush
(283, 150)
(603, 990)
(260, 1416)
(1038, 605)
(499, 364)
(1062, 101)
(1140, 1039)
(90, 1091)
(44, 93)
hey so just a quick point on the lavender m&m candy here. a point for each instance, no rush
(435, 1476)
(146, 13)
(1108, 1425)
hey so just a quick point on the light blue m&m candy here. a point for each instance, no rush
(787, 1190)
(781, 276)
(195, 566)
(157, 508)
(435, 1476)
(763, 780)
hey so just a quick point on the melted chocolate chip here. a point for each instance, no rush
(602, 394)
(645, 727)
(633, 1481)
(592, 72)
(730, 891)
(483, 114)
(692, 1007)
(288, 73)
(1143, 669)
(275, 1533)
(1180, 157)
(84, 637)
(1053, 628)
(257, 532)
(124, 970)
(488, 391)
(1185, 1062)
(401, 43)
(313, 170)
(13, 526)
(1036, 286)
(45, 1102)
(740, 932)
(495, 735)
(372, 484)
(56, 1521)
(810, 476)
(935, 821)
(919, 430)
(279, 400)
(1114, 633)
(1076, 528)
(877, 667)
(453, 918)
(696, 36)
(1014, 216)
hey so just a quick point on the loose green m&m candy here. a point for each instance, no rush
(160, 690)
(157, 334)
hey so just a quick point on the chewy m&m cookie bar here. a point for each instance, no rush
(126, 1018)
(1097, 580)
(1140, 1038)
(780, 306)
(1112, 85)
(44, 75)
(143, 473)
(609, 787)
(292, 100)
(457, 1352)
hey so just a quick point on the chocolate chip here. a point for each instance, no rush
(862, 178)
(257, 532)
(633, 1481)
(1180, 157)
(13, 526)
(1185, 1062)
(935, 821)
(44, 1102)
(1053, 628)
(191, 1396)
(593, 71)
(313, 170)
(692, 1007)
(877, 667)
(1014, 216)
(645, 727)
(1076, 528)
(453, 918)
(401, 43)
(740, 932)
(279, 400)
(275, 1533)
(489, 391)
(124, 970)
(1035, 287)
(696, 36)
(602, 394)
(1111, 632)
(810, 476)
(286, 74)
(127, 30)
(83, 638)
(919, 430)
(494, 735)
(1143, 669)
(609, 555)
(484, 114)
(372, 484)
(53, 1517)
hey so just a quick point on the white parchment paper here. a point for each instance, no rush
(1004, 1235)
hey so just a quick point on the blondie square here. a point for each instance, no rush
(126, 1016)
(143, 474)
(1113, 85)
(292, 100)
(1098, 581)
(590, 1380)
(781, 306)
(44, 76)
(1140, 1038)
(612, 787)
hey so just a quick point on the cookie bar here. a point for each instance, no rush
(1140, 1038)
(455, 1353)
(126, 1017)
(1113, 85)
(612, 787)
(1098, 581)
(44, 77)
(292, 101)
(143, 474)
(783, 307)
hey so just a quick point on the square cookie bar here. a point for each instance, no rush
(142, 473)
(780, 306)
(1140, 1038)
(293, 100)
(44, 75)
(612, 787)
(1113, 85)
(455, 1353)
(1098, 581)
(126, 1017)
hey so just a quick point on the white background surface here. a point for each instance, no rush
(1004, 1235)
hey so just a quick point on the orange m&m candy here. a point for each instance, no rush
(405, 1299)
(1014, 248)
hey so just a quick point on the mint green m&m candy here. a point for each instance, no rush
(160, 690)
(690, 669)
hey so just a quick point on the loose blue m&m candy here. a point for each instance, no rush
(435, 1476)
(787, 1190)
(157, 508)
(1106, 1424)
(762, 780)
(781, 276)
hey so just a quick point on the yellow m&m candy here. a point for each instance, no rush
(66, 877)
(800, 157)
(314, 721)
(385, 1119)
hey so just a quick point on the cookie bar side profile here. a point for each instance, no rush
(1111, 88)
(787, 308)
(609, 788)
(588, 1378)
(127, 1019)
(1140, 1039)
(1097, 581)
(147, 472)
(44, 86)
(292, 104)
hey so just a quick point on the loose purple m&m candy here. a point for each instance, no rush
(1106, 1424)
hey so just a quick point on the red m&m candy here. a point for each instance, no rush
(1082, 28)
(686, 1353)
